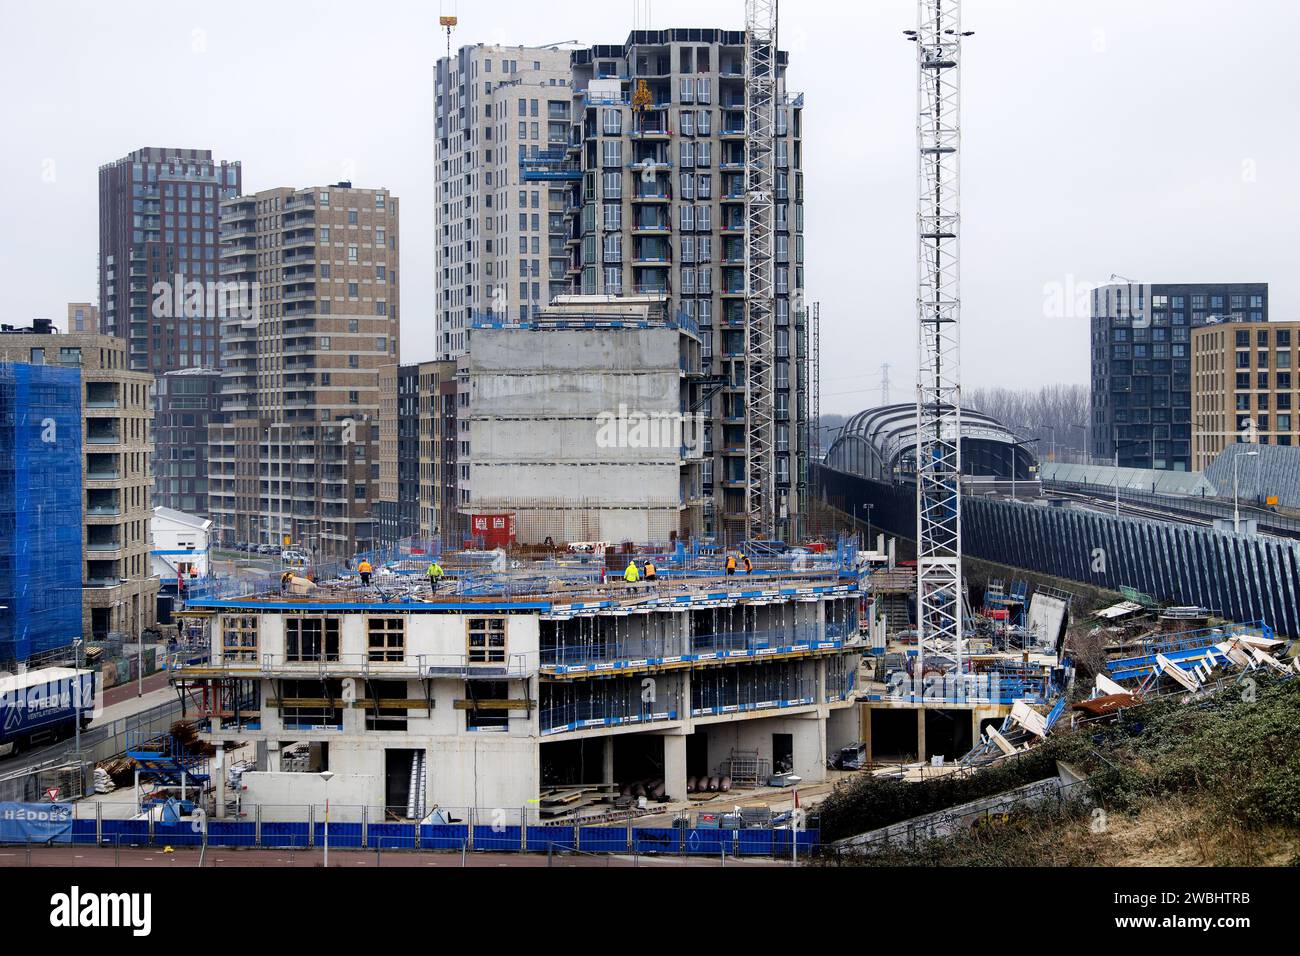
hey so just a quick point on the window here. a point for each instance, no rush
(485, 640)
(489, 690)
(311, 639)
(239, 638)
(387, 639)
(386, 718)
(311, 715)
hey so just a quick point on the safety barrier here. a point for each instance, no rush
(477, 830)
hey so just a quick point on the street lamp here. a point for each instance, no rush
(81, 770)
(1118, 442)
(1236, 507)
(1014, 446)
(327, 776)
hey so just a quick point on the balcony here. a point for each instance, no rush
(102, 431)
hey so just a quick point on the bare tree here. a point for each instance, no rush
(1057, 415)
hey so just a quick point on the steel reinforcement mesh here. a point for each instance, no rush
(40, 510)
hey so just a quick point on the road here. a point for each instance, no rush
(120, 702)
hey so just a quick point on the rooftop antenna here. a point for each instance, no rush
(884, 384)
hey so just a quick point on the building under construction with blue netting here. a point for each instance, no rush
(40, 511)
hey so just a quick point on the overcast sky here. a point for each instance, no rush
(1154, 139)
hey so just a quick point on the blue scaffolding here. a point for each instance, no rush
(40, 510)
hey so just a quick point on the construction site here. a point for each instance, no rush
(645, 611)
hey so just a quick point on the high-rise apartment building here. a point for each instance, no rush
(1245, 377)
(656, 164)
(119, 591)
(397, 510)
(188, 401)
(158, 240)
(441, 418)
(296, 456)
(494, 106)
(1142, 364)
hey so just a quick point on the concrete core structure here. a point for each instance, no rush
(577, 424)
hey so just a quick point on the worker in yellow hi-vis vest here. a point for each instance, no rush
(631, 575)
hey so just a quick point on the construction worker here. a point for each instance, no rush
(749, 565)
(631, 575)
(285, 578)
(364, 569)
(650, 571)
(435, 575)
(731, 563)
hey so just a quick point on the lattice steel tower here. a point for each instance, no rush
(938, 388)
(760, 215)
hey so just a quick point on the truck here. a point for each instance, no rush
(41, 706)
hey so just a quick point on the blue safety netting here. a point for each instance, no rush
(40, 510)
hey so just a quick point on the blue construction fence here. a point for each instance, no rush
(704, 834)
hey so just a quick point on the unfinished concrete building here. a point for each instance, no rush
(489, 701)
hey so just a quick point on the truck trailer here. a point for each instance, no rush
(42, 706)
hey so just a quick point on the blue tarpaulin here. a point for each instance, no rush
(35, 823)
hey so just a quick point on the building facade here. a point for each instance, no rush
(1244, 386)
(83, 317)
(188, 401)
(158, 243)
(1142, 364)
(42, 547)
(119, 594)
(296, 456)
(658, 207)
(398, 509)
(493, 106)
(439, 436)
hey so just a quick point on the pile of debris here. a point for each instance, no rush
(1145, 666)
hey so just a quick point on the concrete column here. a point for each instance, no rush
(675, 766)
(864, 730)
(607, 767)
(219, 770)
(920, 733)
(809, 734)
